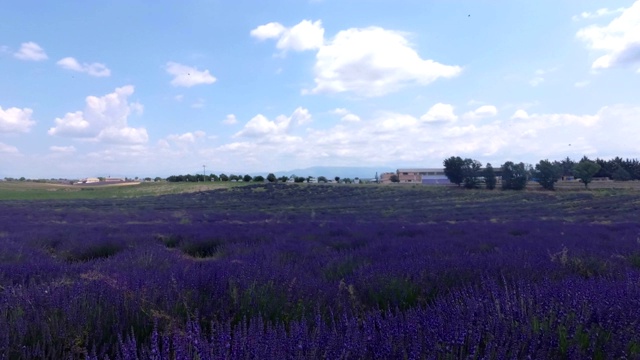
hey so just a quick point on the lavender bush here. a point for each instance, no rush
(335, 272)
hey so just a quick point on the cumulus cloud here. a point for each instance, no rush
(619, 40)
(483, 111)
(188, 137)
(261, 129)
(187, 76)
(104, 119)
(14, 120)
(396, 140)
(306, 35)
(94, 69)
(440, 113)
(520, 114)
(31, 51)
(8, 149)
(230, 119)
(372, 62)
(596, 14)
(346, 115)
(62, 149)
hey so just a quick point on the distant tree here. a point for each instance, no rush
(547, 174)
(489, 177)
(347, 180)
(102, 178)
(299, 179)
(271, 178)
(471, 172)
(157, 178)
(566, 166)
(322, 179)
(215, 177)
(22, 179)
(224, 177)
(514, 176)
(283, 179)
(258, 178)
(620, 174)
(394, 178)
(233, 177)
(453, 169)
(585, 171)
(337, 179)
(247, 178)
(145, 179)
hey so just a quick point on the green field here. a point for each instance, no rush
(25, 190)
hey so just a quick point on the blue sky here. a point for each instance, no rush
(133, 88)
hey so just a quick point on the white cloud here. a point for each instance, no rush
(351, 118)
(63, 149)
(483, 111)
(619, 40)
(8, 149)
(580, 84)
(596, 14)
(104, 119)
(267, 131)
(440, 113)
(15, 120)
(520, 114)
(301, 116)
(373, 62)
(306, 35)
(123, 135)
(188, 137)
(230, 119)
(346, 115)
(187, 76)
(272, 30)
(94, 69)
(31, 51)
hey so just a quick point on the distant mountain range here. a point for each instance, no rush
(332, 171)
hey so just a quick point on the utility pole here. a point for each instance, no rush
(204, 173)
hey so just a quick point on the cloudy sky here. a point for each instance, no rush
(139, 88)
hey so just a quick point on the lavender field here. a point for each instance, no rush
(323, 272)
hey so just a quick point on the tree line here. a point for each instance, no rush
(470, 173)
(260, 179)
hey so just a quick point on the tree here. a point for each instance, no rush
(394, 178)
(215, 177)
(224, 177)
(322, 179)
(547, 174)
(271, 178)
(489, 177)
(157, 178)
(258, 178)
(471, 171)
(453, 169)
(337, 179)
(620, 174)
(247, 178)
(283, 179)
(585, 170)
(233, 177)
(299, 179)
(566, 166)
(514, 176)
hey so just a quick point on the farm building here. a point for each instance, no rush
(422, 176)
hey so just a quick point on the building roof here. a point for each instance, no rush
(420, 170)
